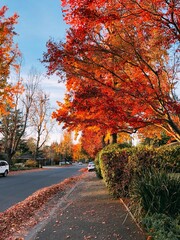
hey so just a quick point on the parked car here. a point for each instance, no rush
(4, 168)
(91, 166)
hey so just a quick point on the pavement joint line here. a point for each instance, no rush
(130, 213)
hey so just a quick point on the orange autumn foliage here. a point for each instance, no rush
(8, 55)
(119, 62)
(91, 142)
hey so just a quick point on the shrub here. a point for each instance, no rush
(115, 172)
(19, 165)
(166, 158)
(118, 166)
(169, 158)
(162, 227)
(143, 157)
(116, 147)
(157, 192)
(31, 163)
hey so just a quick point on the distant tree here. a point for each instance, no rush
(12, 130)
(23, 147)
(66, 146)
(79, 154)
(31, 143)
(55, 152)
(19, 111)
(62, 151)
(156, 141)
(124, 138)
(40, 119)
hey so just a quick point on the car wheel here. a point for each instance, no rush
(5, 174)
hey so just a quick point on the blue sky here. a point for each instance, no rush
(38, 21)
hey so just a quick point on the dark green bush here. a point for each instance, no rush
(157, 192)
(162, 227)
(14, 168)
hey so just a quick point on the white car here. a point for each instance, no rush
(4, 168)
(91, 166)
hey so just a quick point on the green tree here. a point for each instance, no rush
(12, 129)
(19, 114)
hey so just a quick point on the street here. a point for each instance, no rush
(15, 188)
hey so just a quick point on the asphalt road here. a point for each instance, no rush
(15, 188)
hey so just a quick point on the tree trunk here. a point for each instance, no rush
(113, 138)
(103, 141)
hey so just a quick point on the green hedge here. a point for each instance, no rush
(144, 174)
(98, 168)
(168, 157)
(115, 171)
(118, 165)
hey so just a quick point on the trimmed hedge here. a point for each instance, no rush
(158, 192)
(168, 157)
(118, 166)
(115, 171)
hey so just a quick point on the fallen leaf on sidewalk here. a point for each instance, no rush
(21, 216)
(87, 237)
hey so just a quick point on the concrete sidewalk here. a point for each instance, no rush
(88, 212)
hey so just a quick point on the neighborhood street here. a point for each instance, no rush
(15, 188)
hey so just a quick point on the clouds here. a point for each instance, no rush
(54, 89)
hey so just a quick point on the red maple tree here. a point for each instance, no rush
(119, 62)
